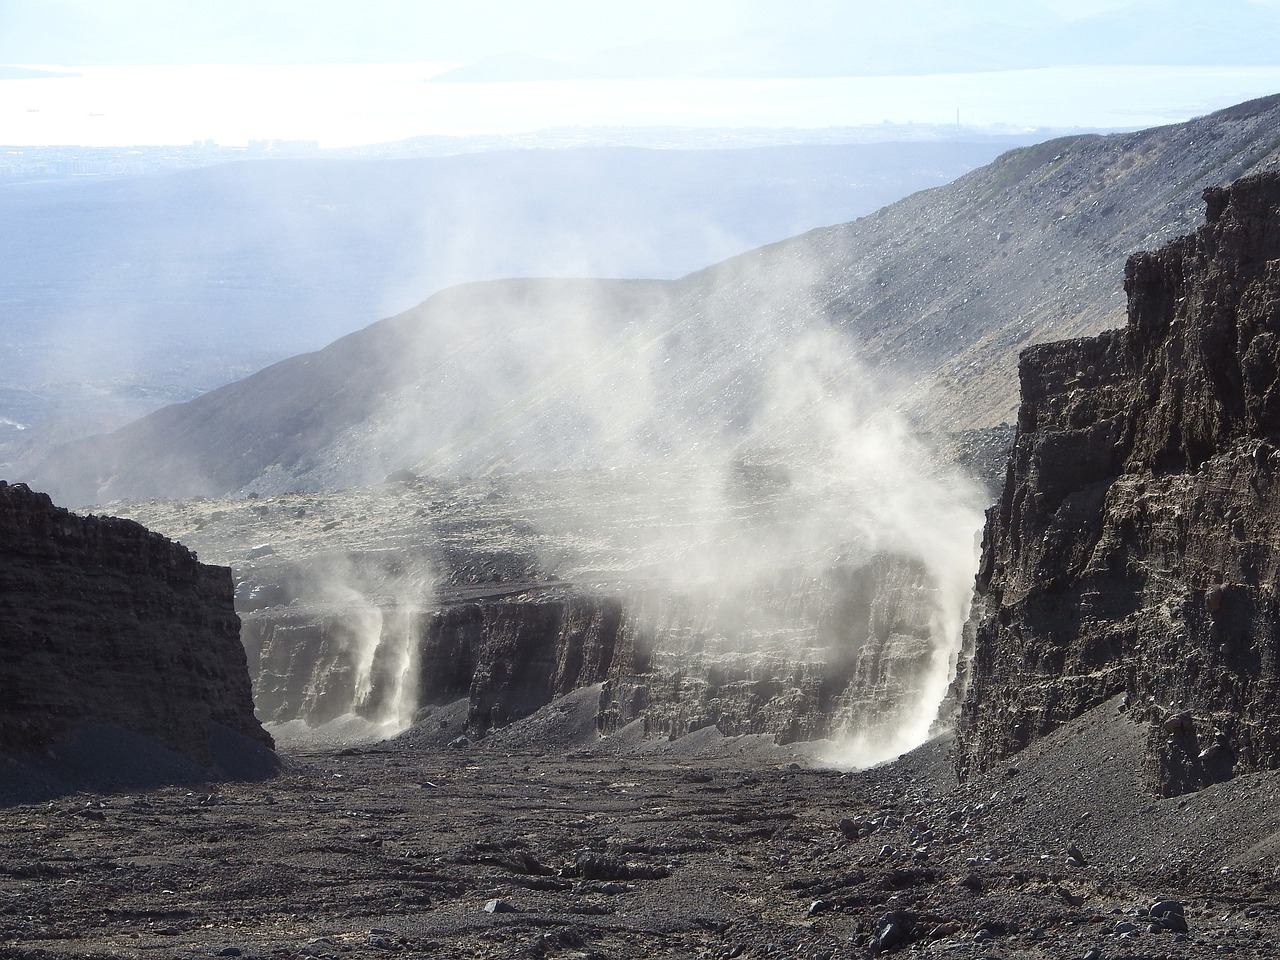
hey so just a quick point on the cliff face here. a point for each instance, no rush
(1136, 547)
(507, 655)
(794, 658)
(105, 622)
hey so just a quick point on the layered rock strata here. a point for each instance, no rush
(796, 658)
(508, 655)
(1136, 546)
(108, 624)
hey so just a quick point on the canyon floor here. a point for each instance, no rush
(546, 840)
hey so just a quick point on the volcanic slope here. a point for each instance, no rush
(934, 296)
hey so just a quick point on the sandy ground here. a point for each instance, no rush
(546, 841)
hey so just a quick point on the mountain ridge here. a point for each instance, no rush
(928, 301)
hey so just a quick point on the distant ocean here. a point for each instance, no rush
(349, 105)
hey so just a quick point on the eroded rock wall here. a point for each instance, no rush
(1136, 546)
(105, 622)
(508, 655)
(847, 653)
(795, 657)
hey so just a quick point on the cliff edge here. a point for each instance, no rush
(114, 635)
(1136, 546)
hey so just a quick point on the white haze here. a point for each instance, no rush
(752, 454)
(343, 105)
(695, 397)
(372, 619)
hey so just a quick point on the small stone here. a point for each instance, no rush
(1093, 953)
(230, 952)
(459, 742)
(498, 905)
(1173, 922)
(1213, 599)
(1126, 926)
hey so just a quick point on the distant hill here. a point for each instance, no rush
(924, 304)
(123, 294)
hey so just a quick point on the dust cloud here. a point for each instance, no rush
(365, 639)
(760, 454)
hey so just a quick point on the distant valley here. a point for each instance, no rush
(922, 306)
(121, 294)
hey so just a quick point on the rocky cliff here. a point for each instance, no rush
(794, 658)
(747, 605)
(1135, 547)
(108, 624)
(508, 654)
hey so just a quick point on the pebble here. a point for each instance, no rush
(1162, 908)
(499, 905)
(1167, 915)
(230, 952)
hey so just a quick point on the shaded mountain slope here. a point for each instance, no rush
(924, 305)
(948, 285)
(196, 275)
(125, 294)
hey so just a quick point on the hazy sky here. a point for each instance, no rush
(838, 33)
(342, 71)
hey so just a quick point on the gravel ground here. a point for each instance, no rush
(546, 841)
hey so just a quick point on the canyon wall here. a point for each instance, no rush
(107, 623)
(794, 657)
(1136, 547)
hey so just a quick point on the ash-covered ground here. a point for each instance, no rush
(545, 840)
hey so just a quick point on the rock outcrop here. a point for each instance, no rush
(507, 654)
(109, 625)
(1136, 547)
(792, 657)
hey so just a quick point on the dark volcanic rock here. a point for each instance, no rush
(1134, 548)
(854, 652)
(108, 626)
(508, 655)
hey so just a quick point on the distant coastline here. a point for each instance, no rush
(350, 105)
